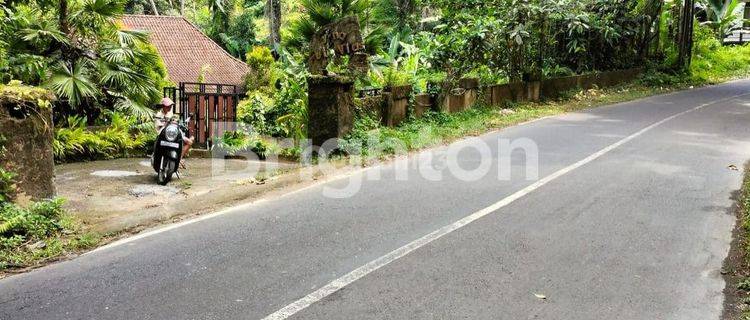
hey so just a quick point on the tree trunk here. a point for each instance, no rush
(62, 17)
(64, 25)
(685, 36)
(153, 7)
(538, 70)
(651, 29)
(273, 14)
(182, 7)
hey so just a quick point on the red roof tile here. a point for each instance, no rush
(185, 50)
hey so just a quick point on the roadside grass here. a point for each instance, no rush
(37, 233)
(714, 63)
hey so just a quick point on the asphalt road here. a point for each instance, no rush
(630, 219)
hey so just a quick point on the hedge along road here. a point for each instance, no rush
(629, 220)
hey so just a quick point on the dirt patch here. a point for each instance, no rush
(117, 205)
(736, 268)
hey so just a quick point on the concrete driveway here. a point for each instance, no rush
(628, 219)
(121, 194)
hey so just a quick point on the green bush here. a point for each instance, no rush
(260, 60)
(40, 220)
(235, 142)
(714, 63)
(40, 231)
(121, 138)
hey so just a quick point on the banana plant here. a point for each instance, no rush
(722, 16)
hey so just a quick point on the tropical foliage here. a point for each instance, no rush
(120, 137)
(78, 50)
(722, 16)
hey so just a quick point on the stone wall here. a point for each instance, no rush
(371, 106)
(28, 151)
(555, 87)
(391, 107)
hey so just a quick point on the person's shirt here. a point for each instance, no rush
(160, 119)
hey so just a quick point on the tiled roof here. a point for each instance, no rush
(185, 50)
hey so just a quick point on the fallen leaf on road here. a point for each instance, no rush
(733, 167)
(540, 296)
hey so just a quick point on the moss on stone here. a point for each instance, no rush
(17, 94)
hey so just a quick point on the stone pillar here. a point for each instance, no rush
(330, 104)
(533, 91)
(396, 103)
(28, 151)
(422, 103)
(471, 85)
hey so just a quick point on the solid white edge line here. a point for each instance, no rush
(221, 212)
(394, 255)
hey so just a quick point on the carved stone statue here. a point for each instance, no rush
(336, 41)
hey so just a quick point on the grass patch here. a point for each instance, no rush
(39, 232)
(714, 63)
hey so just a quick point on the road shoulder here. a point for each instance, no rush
(736, 269)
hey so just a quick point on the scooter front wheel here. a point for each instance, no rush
(166, 171)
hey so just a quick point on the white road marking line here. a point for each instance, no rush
(222, 212)
(394, 255)
(321, 182)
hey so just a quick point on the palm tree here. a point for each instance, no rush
(85, 59)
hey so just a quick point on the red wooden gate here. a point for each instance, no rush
(212, 108)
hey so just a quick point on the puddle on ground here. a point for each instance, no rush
(114, 173)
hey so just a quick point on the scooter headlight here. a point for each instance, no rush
(171, 132)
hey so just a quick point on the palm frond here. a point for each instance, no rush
(72, 84)
(132, 108)
(131, 37)
(43, 31)
(103, 9)
(115, 53)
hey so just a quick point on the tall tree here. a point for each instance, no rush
(153, 7)
(273, 14)
(685, 35)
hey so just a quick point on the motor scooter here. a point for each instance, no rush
(168, 149)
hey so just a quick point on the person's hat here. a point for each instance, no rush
(166, 102)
